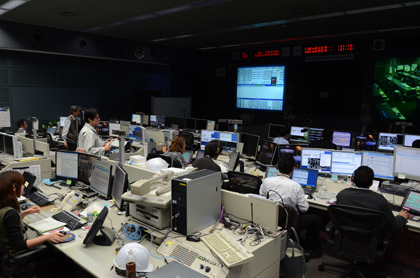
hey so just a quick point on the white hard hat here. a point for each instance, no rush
(141, 254)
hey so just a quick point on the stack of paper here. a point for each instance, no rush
(46, 224)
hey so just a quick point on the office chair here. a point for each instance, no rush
(53, 146)
(244, 183)
(173, 162)
(27, 264)
(189, 141)
(356, 237)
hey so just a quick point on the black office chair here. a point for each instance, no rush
(52, 145)
(355, 236)
(30, 263)
(189, 141)
(244, 183)
(171, 160)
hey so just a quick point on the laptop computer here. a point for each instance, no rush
(187, 156)
(200, 154)
(174, 270)
(307, 178)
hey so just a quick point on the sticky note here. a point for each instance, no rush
(334, 177)
(401, 176)
(26, 184)
(68, 182)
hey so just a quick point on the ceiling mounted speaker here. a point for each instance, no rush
(378, 45)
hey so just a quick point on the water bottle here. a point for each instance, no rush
(90, 212)
(130, 266)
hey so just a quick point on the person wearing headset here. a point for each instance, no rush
(176, 148)
(22, 125)
(211, 153)
(362, 196)
(69, 133)
(12, 228)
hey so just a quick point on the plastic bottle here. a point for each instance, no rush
(130, 266)
(95, 215)
(89, 212)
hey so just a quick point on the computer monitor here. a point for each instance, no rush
(274, 130)
(268, 154)
(210, 125)
(52, 129)
(124, 126)
(101, 179)
(62, 121)
(66, 165)
(103, 128)
(411, 201)
(161, 121)
(382, 164)
(299, 134)
(112, 128)
(200, 154)
(119, 186)
(315, 134)
(305, 177)
(200, 124)
(271, 172)
(8, 144)
(345, 163)
(207, 136)
(136, 119)
(187, 156)
(153, 120)
(84, 167)
(97, 233)
(409, 139)
(388, 141)
(316, 159)
(233, 160)
(295, 150)
(251, 144)
(342, 138)
(135, 133)
(407, 163)
(229, 141)
(365, 141)
(2, 135)
(145, 119)
(190, 123)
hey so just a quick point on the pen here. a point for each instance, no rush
(314, 199)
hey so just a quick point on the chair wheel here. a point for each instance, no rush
(321, 267)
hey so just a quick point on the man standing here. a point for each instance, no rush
(69, 133)
(22, 125)
(89, 138)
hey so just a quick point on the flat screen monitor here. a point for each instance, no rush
(299, 134)
(200, 154)
(52, 129)
(119, 186)
(342, 138)
(95, 234)
(382, 164)
(229, 141)
(84, 167)
(153, 120)
(251, 144)
(135, 133)
(316, 159)
(8, 144)
(388, 141)
(274, 130)
(271, 172)
(66, 165)
(200, 124)
(177, 122)
(315, 134)
(233, 160)
(411, 201)
(62, 121)
(187, 155)
(261, 87)
(305, 177)
(112, 127)
(207, 136)
(161, 121)
(2, 142)
(345, 163)
(268, 153)
(407, 163)
(365, 141)
(145, 119)
(210, 125)
(409, 139)
(190, 123)
(103, 128)
(101, 179)
(136, 119)
(295, 150)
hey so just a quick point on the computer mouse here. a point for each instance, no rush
(416, 218)
(310, 197)
(193, 238)
(332, 201)
(63, 232)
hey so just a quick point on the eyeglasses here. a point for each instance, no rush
(97, 117)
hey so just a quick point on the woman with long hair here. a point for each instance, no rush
(177, 148)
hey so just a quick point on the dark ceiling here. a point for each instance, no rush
(220, 23)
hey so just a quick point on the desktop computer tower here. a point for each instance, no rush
(196, 201)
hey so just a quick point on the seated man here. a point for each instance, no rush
(211, 153)
(361, 196)
(283, 136)
(292, 194)
(22, 125)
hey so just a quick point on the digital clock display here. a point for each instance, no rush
(329, 48)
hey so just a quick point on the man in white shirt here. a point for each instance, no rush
(89, 138)
(283, 136)
(69, 133)
(22, 126)
(292, 194)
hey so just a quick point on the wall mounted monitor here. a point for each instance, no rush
(316, 159)
(382, 164)
(66, 165)
(103, 128)
(112, 127)
(229, 141)
(190, 123)
(201, 124)
(295, 150)
(119, 186)
(274, 130)
(101, 178)
(153, 120)
(315, 134)
(261, 87)
(409, 139)
(62, 121)
(84, 167)
(388, 141)
(366, 141)
(407, 163)
(251, 144)
(345, 163)
(268, 153)
(342, 138)
(136, 119)
(299, 134)
(207, 136)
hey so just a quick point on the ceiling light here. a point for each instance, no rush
(174, 10)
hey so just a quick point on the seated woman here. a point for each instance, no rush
(177, 148)
(12, 228)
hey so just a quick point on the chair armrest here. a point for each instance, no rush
(330, 227)
(388, 239)
(35, 252)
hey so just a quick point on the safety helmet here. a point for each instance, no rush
(142, 258)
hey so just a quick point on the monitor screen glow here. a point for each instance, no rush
(409, 139)
(388, 141)
(299, 134)
(316, 159)
(207, 136)
(345, 163)
(407, 163)
(382, 164)
(342, 139)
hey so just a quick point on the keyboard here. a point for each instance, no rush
(394, 207)
(40, 199)
(227, 249)
(308, 191)
(72, 221)
(326, 195)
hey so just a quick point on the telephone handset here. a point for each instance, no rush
(71, 200)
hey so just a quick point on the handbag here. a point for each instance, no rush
(293, 265)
